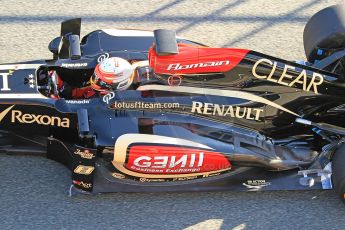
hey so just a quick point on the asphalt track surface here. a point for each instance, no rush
(34, 190)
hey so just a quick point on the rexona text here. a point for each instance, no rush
(39, 119)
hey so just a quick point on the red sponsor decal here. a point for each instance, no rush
(174, 160)
(196, 59)
(82, 184)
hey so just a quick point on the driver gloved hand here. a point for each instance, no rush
(144, 74)
(65, 91)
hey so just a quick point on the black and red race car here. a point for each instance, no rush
(206, 119)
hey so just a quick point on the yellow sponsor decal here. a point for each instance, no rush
(84, 170)
(18, 116)
(26, 118)
(86, 154)
(301, 78)
(227, 111)
(4, 76)
(216, 92)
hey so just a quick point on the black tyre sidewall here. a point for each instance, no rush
(338, 171)
(325, 29)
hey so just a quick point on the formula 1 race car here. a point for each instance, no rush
(206, 119)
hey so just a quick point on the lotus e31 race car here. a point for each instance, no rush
(210, 119)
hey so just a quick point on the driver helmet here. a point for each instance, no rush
(112, 74)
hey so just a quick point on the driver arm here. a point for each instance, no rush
(143, 73)
(68, 92)
(65, 90)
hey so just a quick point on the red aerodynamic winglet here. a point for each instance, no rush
(196, 59)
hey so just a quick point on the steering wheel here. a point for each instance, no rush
(51, 87)
(53, 84)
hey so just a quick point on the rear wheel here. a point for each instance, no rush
(338, 175)
(324, 33)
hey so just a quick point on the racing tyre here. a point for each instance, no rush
(324, 30)
(338, 169)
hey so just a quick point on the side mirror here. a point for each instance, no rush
(74, 47)
(165, 41)
(55, 45)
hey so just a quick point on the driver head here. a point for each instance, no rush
(112, 74)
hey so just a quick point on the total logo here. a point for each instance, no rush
(108, 97)
(26, 118)
(4, 77)
(102, 57)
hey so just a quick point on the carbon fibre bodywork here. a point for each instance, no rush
(175, 131)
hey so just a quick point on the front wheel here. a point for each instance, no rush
(338, 175)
